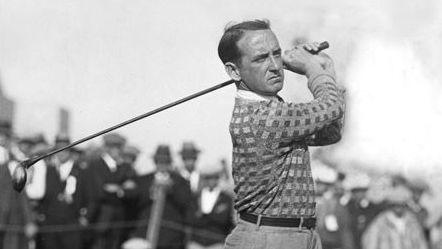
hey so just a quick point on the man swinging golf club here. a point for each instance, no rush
(271, 169)
(271, 165)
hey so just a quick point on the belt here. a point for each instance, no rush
(309, 223)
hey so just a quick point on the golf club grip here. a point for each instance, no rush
(323, 45)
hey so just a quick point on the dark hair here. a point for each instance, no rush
(227, 48)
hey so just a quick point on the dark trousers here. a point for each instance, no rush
(1, 239)
(109, 235)
(172, 247)
(111, 239)
(66, 240)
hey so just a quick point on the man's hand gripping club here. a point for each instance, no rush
(308, 60)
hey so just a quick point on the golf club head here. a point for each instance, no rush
(19, 176)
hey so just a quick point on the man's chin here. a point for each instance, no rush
(277, 85)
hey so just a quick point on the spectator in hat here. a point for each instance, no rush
(189, 155)
(334, 225)
(175, 212)
(63, 198)
(397, 227)
(130, 154)
(29, 147)
(15, 210)
(214, 218)
(362, 211)
(107, 175)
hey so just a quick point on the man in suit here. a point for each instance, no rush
(62, 199)
(189, 155)
(15, 210)
(108, 174)
(334, 223)
(173, 214)
(214, 218)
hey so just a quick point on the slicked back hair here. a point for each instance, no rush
(228, 50)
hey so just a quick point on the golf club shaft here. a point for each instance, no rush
(160, 109)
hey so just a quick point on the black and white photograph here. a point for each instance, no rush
(220, 124)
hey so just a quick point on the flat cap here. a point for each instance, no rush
(114, 139)
(131, 150)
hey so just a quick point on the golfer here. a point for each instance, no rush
(271, 162)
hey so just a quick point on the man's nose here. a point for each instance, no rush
(275, 63)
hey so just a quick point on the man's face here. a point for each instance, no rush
(189, 163)
(63, 156)
(114, 152)
(163, 166)
(260, 66)
(211, 181)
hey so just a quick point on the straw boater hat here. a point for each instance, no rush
(189, 150)
(162, 154)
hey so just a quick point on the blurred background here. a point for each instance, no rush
(77, 67)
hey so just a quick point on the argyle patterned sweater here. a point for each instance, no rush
(270, 160)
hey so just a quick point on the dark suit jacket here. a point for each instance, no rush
(53, 206)
(212, 228)
(103, 206)
(175, 214)
(14, 210)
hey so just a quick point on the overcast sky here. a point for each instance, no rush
(109, 60)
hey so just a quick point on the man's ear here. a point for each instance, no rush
(233, 71)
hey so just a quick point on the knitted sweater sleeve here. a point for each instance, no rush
(297, 121)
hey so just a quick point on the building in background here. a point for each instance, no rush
(31, 118)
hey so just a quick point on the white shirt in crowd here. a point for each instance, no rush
(208, 199)
(36, 186)
(110, 162)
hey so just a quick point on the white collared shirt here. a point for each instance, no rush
(65, 169)
(399, 222)
(36, 187)
(193, 178)
(208, 199)
(110, 162)
(4, 155)
(249, 95)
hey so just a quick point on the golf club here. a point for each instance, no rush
(19, 176)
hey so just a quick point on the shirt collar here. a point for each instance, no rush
(110, 162)
(65, 169)
(249, 95)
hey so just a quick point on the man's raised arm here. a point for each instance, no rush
(320, 117)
